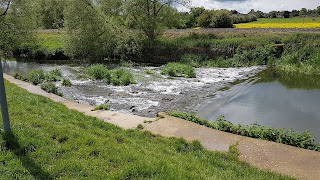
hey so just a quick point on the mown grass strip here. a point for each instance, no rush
(50, 141)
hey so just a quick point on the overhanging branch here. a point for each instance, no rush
(7, 8)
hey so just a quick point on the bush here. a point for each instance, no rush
(98, 71)
(258, 56)
(51, 88)
(285, 136)
(66, 82)
(179, 70)
(121, 77)
(36, 76)
(20, 77)
(53, 75)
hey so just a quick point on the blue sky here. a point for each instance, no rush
(245, 6)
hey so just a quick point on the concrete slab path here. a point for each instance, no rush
(284, 159)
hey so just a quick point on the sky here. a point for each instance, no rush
(244, 6)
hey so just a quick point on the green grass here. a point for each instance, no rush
(50, 141)
(286, 20)
(50, 41)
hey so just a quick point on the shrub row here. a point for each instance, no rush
(46, 80)
(285, 136)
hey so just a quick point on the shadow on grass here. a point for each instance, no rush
(13, 145)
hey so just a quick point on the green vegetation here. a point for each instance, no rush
(301, 58)
(66, 82)
(50, 141)
(297, 52)
(98, 72)
(285, 136)
(102, 107)
(50, 41)
(149, 72)
(46, 79)
(116, 77)
(179, 70)
(53, 75)
(290, 79)
(36, 76)
(50, 87)
(215, 19)
(121, 77)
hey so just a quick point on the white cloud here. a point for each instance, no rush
(245, 6)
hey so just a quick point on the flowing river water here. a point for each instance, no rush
(270, 98)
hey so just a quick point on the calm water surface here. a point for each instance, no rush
(279, 100)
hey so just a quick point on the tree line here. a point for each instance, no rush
(105, 29)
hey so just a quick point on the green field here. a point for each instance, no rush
(286, 20)
(53, 142)
(50, 41)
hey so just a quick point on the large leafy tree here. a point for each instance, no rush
(152, 16)
(16, 22)
(50, 13)
(93, 32)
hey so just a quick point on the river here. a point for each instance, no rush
(271, 98)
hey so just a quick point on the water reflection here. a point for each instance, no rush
(279, 100)
(290, 80)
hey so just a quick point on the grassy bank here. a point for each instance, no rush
(52, 142)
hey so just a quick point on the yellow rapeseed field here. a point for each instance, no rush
(278, 25)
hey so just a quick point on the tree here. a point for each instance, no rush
(95, 34)
(295, 13)
(193, 16)
(151, 16)
(303, 12)
(273, 14)
(286, 14)
(50, 13)
(318, 10)
(216, 19)
(16, 22)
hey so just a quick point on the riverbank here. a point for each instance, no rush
(267, 155)
(290, 49)
(51, 142)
